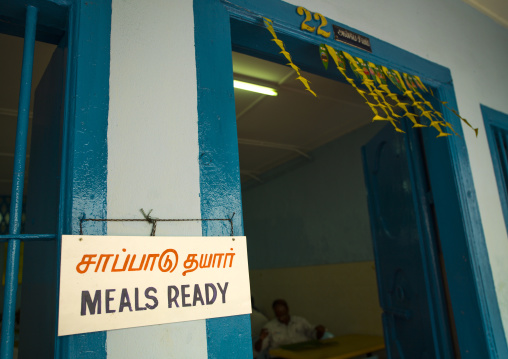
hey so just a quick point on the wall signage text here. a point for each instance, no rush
(114, 282)
(351, 38)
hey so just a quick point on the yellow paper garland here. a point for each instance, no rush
(269, 25)
(377, 89)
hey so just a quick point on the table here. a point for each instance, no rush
(341, 347)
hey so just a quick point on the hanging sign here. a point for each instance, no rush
(113, 282)
(351, 38)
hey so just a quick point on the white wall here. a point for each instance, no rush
(475, 49)
(153, 148)
(152, 135)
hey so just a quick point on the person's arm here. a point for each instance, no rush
(258, 345)
(320, 331)
(311, 332)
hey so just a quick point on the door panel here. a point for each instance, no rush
(408, 272)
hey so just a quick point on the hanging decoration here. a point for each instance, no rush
(269, 25)
(362, 71)
(385, 104)
(379, 102)
(323, 54)
(380, 77)
(413, 79)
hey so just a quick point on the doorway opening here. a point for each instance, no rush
(40, 190)
(304, 198)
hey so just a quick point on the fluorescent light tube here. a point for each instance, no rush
(254, 88)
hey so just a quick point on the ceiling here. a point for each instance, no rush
(273, 130)
(495, 9)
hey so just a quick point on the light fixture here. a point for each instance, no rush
(254, 88)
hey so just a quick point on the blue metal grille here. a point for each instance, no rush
(15, 214)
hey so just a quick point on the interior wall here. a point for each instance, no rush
(315, 213)
(309, 239)
(473, 46)
(342, 297)
(153, 148)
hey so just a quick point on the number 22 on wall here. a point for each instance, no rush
(308, 17)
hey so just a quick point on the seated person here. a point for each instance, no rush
(286, 329)
(257, 320)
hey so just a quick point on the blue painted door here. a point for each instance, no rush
(411, 291)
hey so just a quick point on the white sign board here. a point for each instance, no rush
(112, 282)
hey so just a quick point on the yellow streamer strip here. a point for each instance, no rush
(374, 79)
(341, 66)
(380, 78)
(425, 107)
(376, 92)
(421, 85)
(269, 25)
(340, 62)
(381, 103)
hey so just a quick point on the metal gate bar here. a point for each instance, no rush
(11, 275)
(28, 237)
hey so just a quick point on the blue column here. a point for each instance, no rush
(11, 276)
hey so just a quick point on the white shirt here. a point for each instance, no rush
(297, 330)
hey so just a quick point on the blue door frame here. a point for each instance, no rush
(85, 152)
(496, 123)
(475, 309)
